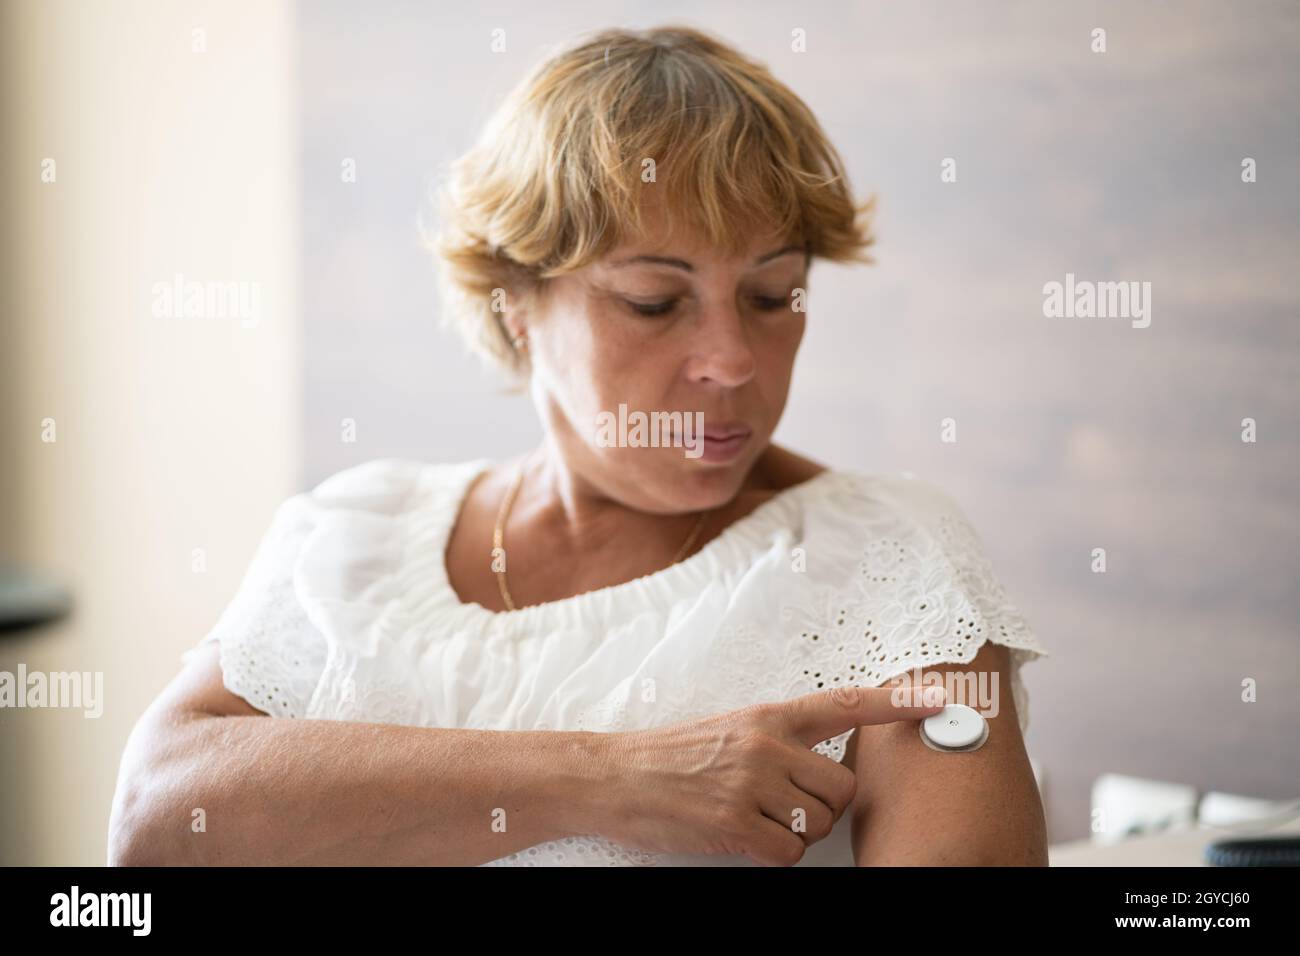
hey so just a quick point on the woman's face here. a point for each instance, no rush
(666, 326)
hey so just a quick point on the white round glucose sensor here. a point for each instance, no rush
(955, 729)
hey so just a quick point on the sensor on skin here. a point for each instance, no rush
(955, 729)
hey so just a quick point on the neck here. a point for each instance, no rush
(562, 489)
(560, 498)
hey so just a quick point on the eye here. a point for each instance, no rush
(764, 303)
(771, 303)
(651, 308)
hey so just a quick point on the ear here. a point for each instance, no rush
(511, 325)
(522, 302)
(515, 327)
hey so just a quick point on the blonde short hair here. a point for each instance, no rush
(554, 181)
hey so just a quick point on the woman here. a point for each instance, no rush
(657, 637)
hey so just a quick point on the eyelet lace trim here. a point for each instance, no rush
(271, 655)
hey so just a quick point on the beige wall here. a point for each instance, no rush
(172, 433)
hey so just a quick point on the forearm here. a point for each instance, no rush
(310, 792)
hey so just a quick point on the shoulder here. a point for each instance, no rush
(359, 526)
(904, 490)
(901, 512)
(921, 498)
(384, 485)
(859, 506)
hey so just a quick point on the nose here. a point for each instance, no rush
(721, 353)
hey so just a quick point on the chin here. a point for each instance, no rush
(674, 483)
(711, 483)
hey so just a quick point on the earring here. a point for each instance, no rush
(520, 342)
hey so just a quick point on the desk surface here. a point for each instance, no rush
(1180, 848)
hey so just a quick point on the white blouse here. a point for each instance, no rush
(346, 613)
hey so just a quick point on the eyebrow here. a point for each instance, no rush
(683, 264)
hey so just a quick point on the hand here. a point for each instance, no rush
(745, 781)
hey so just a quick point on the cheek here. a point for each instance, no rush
(622, 363)
(777, 349)
(582, 334)
(593, 361)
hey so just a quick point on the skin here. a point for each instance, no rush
(306, 791)
(727, 350)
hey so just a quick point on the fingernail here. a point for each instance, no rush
(935, 697)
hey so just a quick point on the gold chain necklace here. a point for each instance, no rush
(499, 537)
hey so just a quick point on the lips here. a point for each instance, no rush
(723, 443)
(719, 443)
(727, 431)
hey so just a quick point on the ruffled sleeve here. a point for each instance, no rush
(902, 582)
(271, 654)
(996, 617)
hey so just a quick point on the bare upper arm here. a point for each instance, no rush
(917, 806)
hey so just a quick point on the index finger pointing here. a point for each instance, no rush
(823, 714)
